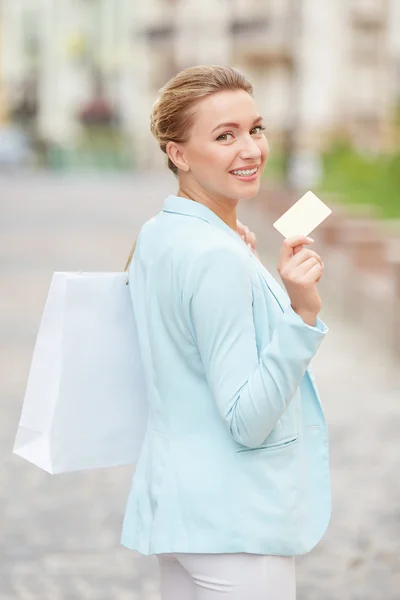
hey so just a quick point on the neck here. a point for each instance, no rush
(225, 209)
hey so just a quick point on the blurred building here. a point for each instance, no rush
(320, 69)
(55, 53)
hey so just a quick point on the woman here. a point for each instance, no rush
(233, 478)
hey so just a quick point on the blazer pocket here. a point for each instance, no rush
(289, 441)
(286, 430)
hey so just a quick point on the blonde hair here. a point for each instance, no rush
(171, 118)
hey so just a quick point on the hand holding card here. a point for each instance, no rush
(303, 217)
(300, 272)
(300, 266)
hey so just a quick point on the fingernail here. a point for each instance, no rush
(310, 239)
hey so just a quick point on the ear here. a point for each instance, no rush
(176, 154)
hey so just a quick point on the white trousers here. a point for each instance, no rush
(236, 576)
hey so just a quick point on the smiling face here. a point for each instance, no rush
(227, 149)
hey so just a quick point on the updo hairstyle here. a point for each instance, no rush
(171, 117)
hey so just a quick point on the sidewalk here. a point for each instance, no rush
(60, 534)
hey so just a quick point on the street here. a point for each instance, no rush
(60, 534)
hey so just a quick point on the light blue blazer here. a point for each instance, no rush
(235, 457)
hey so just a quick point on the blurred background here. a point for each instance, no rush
(80, 173)
(78, 79)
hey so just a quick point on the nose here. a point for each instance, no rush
(249, 148)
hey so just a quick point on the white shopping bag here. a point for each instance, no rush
(85, 405)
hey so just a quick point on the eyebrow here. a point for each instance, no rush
(236, 125)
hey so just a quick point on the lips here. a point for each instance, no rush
(245, 168)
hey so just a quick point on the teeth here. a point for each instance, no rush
(246, 172)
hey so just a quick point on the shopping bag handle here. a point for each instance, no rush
(130, 260)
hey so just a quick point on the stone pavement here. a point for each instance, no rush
(59, 535)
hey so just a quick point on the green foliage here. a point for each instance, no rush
(354, 177)
(99, 149)
(364, 179)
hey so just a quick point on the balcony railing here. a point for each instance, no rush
(369, 14)
(263, 40)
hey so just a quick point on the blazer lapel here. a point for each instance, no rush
(276, 290)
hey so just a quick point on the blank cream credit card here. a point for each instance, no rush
(303, 217)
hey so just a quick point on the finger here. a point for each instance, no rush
(247, 236)
(251, 239)
(305, 266)
(303, 255)
(298, 249)
(288, 245)
(244, 232)
(313, 274)
(239, 227)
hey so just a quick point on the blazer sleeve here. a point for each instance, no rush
(251, 393)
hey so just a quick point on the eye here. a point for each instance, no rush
(223, 137)
(260, 127)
